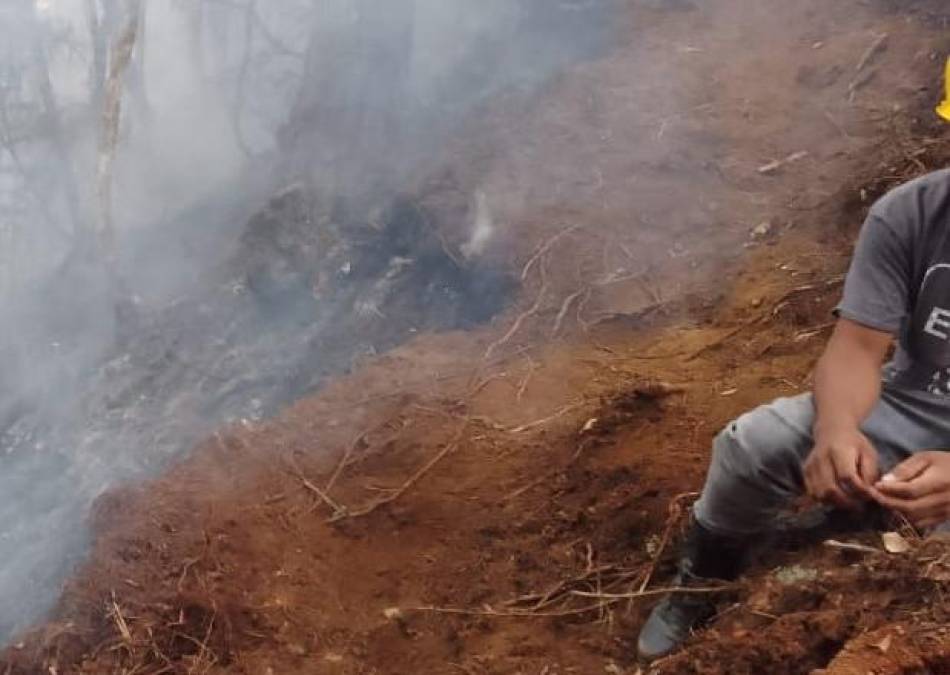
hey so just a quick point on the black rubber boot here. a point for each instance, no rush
(707, 559)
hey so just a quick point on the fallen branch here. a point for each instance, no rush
(860, 82)
(348, 453)
(487, 381)
(565, 307)
(309, 485)
(605, 598)
(516, 326)
(544, 248)
(523, 386)
(530, 486)
(550, 418)
(508, 613)
(772, 167)
(694, 590)
(401, 490)
(848, 546)
(538, 601)
(344, 460)
(878, 46)
(581, 306)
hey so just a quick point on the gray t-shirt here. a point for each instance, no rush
(899, 281)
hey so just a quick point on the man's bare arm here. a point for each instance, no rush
(843, 464)
(848, 376)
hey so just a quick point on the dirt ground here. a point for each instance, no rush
(507, 499)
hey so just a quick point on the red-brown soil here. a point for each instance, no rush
(440, 509)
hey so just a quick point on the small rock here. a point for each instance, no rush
(393, 613)
(885, 644)
(589, 425)
(795, 574)
(762, 230)
(895, 543)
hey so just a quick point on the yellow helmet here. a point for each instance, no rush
(944, 108)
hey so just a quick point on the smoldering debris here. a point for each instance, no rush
(233, 310)
(303, 296)
(398, 268)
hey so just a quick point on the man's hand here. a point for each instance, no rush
(842, 468)
(919, 488)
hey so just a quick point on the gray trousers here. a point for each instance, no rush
(756, 469)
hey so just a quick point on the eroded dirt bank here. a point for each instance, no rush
(467, 502)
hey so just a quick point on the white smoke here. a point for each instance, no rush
(329, 93)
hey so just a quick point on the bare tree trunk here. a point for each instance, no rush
(120, 56)
(138, 83)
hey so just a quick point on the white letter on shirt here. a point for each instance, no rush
(938, 319)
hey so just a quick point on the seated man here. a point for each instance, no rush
(865, 435)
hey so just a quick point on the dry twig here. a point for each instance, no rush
(450, 447)
(310, 485)
(120, 621)
(550, 418)
(848, 546)
(777, 306)
(477, 389)
(675, 513)
(544, 248)
(516, 326)
(523, 386)
(772, 167)
(689, 590)
(603, 598)
(879, 45)
(565, 308)
(351, 448)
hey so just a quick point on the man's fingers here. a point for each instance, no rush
(822, 485)
(909, 469)
(845, 471)
(868, 465)
(830, 490)
(925, 484)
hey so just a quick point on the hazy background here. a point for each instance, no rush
(225, 104)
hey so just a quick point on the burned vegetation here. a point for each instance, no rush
(434, 393)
